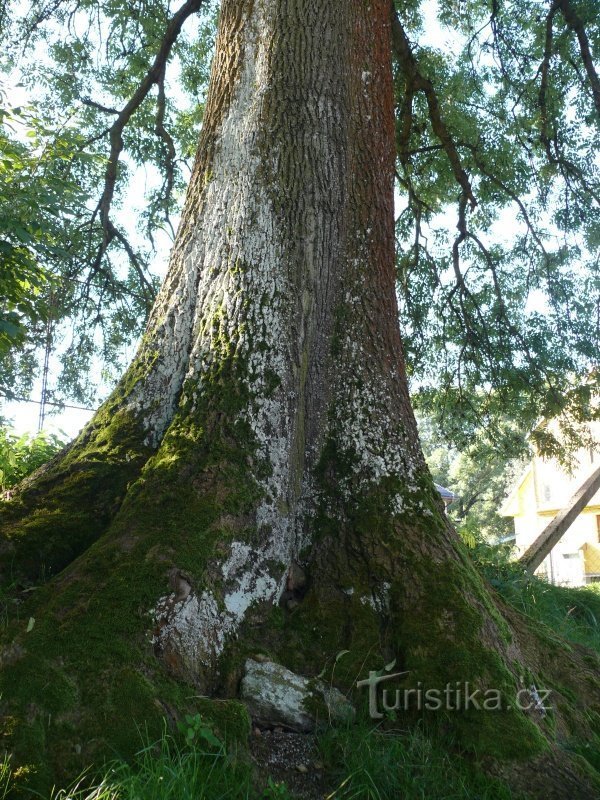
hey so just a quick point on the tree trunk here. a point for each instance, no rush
(263, 432)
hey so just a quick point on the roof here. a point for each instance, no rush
(445, 493)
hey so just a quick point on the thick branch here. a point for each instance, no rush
(417, 82)
(153, 76)
(545, 75)
(576, 25)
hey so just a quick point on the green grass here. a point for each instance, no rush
(167, 772)
(363, 762)
(573, 613)
(374, 764)
(6, 777)
(164, 770)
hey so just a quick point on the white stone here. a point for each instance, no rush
(275, 696)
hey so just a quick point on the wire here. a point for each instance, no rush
(16, 399)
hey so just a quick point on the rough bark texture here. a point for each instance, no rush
(255, 483)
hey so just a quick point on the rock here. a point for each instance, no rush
(275, 696)
(302, 768)
(340, 709)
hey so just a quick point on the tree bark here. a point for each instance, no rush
(263, 431)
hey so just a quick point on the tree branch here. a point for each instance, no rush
(575, 24)
(545, 77)
(171, 153)
(417, 82)
(153, 76)
(93, 104)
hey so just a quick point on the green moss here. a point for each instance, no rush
(93, 623)
(57, 516)
(441, 624)
(228, 718)
(36, 677)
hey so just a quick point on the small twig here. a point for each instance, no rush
(93, 104)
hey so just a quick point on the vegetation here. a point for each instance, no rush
(380, 763)
(364, 761)
(22, 455)
(76, 273)
(480, 473)
(200, 768)
(572, 613)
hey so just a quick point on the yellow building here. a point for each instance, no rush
(543, 490)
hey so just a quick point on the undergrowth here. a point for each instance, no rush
(362, 762)
(200, 768)
(573, 613)
(375, 764)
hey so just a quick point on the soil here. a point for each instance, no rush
(293, 759)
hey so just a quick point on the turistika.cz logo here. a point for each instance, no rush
(454, 696)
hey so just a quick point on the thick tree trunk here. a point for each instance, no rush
(263, 432)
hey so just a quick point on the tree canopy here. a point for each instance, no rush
(498, 217)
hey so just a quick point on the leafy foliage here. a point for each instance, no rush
(22, 455)
(498, 275)
(480, 474)
(86, 289)
(38, 198)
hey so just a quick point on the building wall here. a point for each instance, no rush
(554, 486)
(545, 489)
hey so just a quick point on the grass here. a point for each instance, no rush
(365, 763)
(374, 764)
(573, 613)
(6, 777)
(163, 770)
